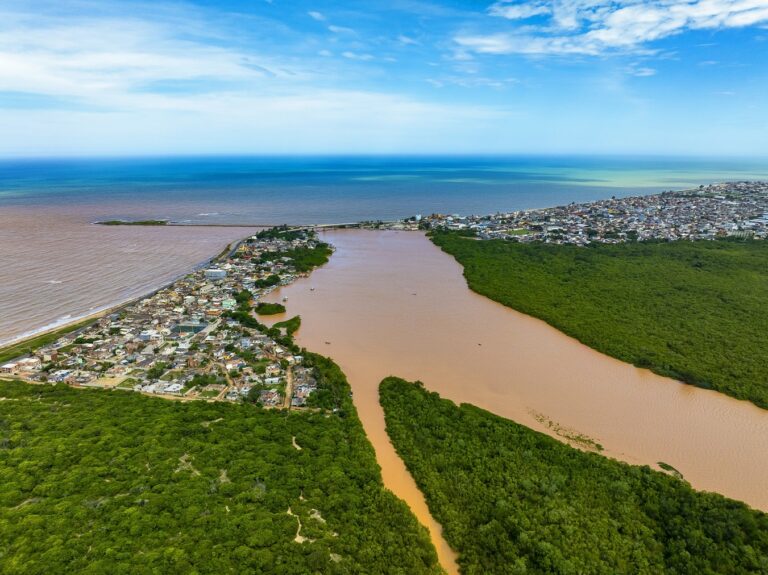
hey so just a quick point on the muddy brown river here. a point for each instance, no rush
(391, 303)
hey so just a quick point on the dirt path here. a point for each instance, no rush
(299, 537)
(288, 388)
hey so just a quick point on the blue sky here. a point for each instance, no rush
(80, 77)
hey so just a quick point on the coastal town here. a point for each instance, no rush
(201, 338)
(198, 338)
(737, 209)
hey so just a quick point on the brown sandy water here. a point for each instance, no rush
(56, 267)
(392, 303)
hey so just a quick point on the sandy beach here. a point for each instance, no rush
(66, 269)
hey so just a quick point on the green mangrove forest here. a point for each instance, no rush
(693, 311)
(515, 501)
(267, 308)
(115, 482)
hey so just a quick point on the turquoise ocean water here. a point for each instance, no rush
(274, 190)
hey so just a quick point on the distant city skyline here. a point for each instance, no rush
(81, 77)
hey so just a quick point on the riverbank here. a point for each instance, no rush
(393, 303)
(693, 311)
(217, 471)
(511, 496)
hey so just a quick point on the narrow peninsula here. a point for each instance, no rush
(513, 500)
(133, 223)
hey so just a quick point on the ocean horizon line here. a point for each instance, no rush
(650, 156)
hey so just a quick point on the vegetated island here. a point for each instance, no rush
(513, 500)
(133, 223)
(691, 310)
(266, 308)
(291, 326)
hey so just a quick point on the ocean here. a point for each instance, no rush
(55, 266)
(259, 190)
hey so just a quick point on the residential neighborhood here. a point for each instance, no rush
(736, 209)
(198, 338)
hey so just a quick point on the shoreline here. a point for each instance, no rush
(360, 225)
(114, 307)
(170, 224)
(636, 415)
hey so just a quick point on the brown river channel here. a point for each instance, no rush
(391, 303)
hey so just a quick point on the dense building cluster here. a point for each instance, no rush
(709, 212)
(197, 338)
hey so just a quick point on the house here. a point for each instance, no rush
(29, 364)
(8, 368)
(60, 375)
(215, 274)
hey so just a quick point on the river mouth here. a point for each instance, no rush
(391, 303)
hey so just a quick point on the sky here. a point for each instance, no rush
(660, 77)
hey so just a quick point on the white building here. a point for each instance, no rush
(215, 274)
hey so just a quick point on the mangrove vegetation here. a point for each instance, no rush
(267, 308)
(512, 500)
(693, 311)
(95, 481)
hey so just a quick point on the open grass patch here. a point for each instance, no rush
(28, 345)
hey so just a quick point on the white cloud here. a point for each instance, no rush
(357, 56)
(520, 11)
(641, 71)
(105, 62)
(406, 40)
(595, 27)
(338, 120)
(340, 29)
(316, 15)
(130, 85)
(472, 82)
